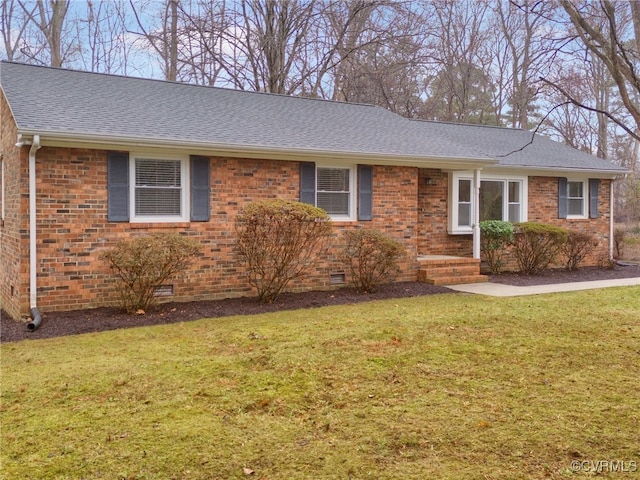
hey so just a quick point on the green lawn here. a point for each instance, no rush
(445, 386)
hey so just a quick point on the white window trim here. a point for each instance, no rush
(585, 198)
(184, 189)
(454, 181)
(353, 191)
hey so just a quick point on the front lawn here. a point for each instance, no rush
(443, 386)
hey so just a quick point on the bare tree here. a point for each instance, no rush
(530, 48)
(13, 25)
(604, 29)
(45, 44)
(461, 90)
(101, 35)
(163, 38)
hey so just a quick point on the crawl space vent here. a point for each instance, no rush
(337, 278)
(163, 291)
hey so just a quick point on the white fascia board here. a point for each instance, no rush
(60, 139)
(609, 174)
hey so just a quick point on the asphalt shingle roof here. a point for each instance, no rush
(519, 148)
(66, 103)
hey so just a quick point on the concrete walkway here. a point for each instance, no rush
(500, 290)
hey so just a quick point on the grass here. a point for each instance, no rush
(449, 386)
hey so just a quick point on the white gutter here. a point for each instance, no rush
(611, 228)
(33, 258)
(61, 139)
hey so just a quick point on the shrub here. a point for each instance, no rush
(142, 264)
(536, 245)
(277, 240)
(577, 247)
(372, 257)
(495, 235)
(619, 237)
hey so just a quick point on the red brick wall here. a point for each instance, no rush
(73, 229)
(542, 205)
(543, 208)
(14, 240)
(433, 204)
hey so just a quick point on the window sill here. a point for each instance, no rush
(461, 232)
(158, 225)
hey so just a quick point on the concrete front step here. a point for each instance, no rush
(451, 271)
(446, 270)
(460, 280)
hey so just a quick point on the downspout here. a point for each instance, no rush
(611, 229)
(36, 318)
(476, 214)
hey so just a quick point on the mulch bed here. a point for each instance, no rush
(56, 324)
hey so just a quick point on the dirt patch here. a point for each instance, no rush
(57, 324)
(585, 274)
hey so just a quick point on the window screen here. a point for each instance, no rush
(158, 187)
(332, 192)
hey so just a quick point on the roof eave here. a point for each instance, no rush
(62, 139)
(567, 171)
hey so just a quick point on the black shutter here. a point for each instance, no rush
(562, 197)
(365, 192)
(594, 183)
(200, 188)
(118, 187)
(308, 182)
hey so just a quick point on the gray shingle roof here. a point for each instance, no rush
(519, 148)
(66, 103)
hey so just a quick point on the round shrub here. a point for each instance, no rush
(495, 235)
(278, 240)
(536, 245)
(372, 257)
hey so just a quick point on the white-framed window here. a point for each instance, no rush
(576, 199)
(158, 188)
(335, 191)
(500, 198)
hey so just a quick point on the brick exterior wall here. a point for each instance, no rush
(433, 204)
(543, 208)
(14, 239)
(433, 201)
(73, 229)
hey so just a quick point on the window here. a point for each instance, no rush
(333, 189)
(148, 188)
(345, 193)
(158, 187)
(499, 199)
(464, 203)
(576, 199)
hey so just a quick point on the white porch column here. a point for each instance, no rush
(476, 214)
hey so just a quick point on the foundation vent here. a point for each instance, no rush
(337, 278)
(163, 291)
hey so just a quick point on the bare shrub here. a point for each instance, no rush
(536, 245)
(142, 264)
(619, 237)
(277, 241)
(577, 247)
(372, 257)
